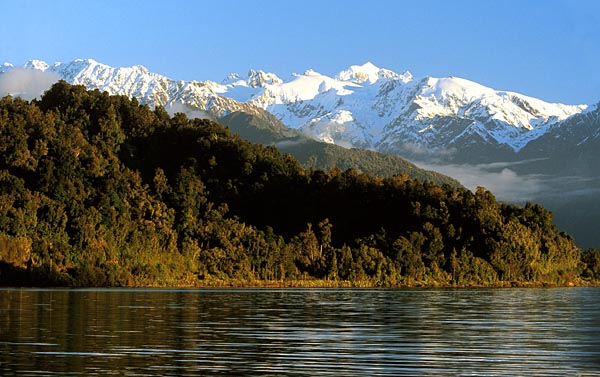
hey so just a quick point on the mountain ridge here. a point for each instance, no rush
(370, 107)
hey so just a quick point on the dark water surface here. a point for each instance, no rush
(437, 332)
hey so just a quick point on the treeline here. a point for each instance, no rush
(96, 190)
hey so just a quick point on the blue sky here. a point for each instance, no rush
(548, 49)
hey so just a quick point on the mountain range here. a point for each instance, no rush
(437, 121)
(363, 106)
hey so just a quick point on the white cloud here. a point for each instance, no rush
(190, 111)
(429, 153)
(505, 184)
(289, 143)
(26, 83)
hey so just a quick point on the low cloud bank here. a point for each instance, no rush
(26, 83)
(189, 111)
(504, 183)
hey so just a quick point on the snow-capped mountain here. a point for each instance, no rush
(363, 106)
(571, 145)
(193, 97)
(369, 107)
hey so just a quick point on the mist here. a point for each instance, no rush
(189, 111)
(290, 143)
(506, 184)
(26, 83)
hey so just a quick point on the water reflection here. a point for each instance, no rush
(300, 332)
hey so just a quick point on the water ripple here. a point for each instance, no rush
(470, 332)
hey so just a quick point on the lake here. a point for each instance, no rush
(300, 332)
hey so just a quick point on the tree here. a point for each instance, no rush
(591, 259)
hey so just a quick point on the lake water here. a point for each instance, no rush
(352, 332)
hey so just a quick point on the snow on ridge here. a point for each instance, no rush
(367, 72)
(39, 65)
(232, 78)
(379, 104)
(258, 78)
(464, 89)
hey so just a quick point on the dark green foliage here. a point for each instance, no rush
(97, 190)
(318, 155)
(591, 264)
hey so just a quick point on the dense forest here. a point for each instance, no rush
(97, 190)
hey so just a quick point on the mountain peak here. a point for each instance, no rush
(311, 72)
(364, 106)
(259, 78)
(5, 66)
(39, 65)
(141, 68)
(231, 78)
(366, 67)
(87, 61)
(369, 72)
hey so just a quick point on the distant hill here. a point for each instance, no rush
(320, 155)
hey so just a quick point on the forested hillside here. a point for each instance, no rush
(324, 156)
(96, 190)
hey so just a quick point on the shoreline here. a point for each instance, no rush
(319, 284)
